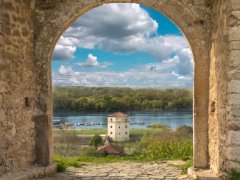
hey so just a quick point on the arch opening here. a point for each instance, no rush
(201, 158)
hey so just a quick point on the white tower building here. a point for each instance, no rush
(118, 126)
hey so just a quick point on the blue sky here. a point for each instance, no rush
(123, 45)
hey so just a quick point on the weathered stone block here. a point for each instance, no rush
(234, 45)
(51, 170)
(234, 86)
(22, 177)
(37, 173)
(233, 138)
(233, 18)
(234, 33)
(1, 100)
(233, 126)
(234, 113)
(3, 116)
(42, 139)
(234, 99)
(234, 56)
(233, 153)
(200, 2)
(4, 86)
(234, 5)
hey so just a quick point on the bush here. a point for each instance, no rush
(61, 167)
(159, 126)
(169, 150)
(96, 140)
(184, 131)
(91, 152)
(233, 175)
(64, 162)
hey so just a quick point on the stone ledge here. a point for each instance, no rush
(202, 174)
(32, 173)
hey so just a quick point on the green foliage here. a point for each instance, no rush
(234, 175)
(96, 140)
(106, 99)
(150, 145)
(61, 167)
(184, 130)
(64, 162)
(160, 126)
(184, 167)
(91, 152)
(167, 144)
(169, 150)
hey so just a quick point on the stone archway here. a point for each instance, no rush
(194, 25)
(29, 31)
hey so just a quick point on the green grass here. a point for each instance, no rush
(233, 175)
(82, 132)
(172, 150)
(109, 159)
(104, 131)
(185, 166)
(148, 145)
(64, 162)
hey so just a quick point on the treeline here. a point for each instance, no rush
(109, 99)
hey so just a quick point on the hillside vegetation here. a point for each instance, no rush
(109, 99)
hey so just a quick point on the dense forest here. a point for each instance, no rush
(109, 99)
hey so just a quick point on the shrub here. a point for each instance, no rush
(61, 167)
(184, 131)
(159, 126)
(233, 175)
(64, 162)
(96, 140)
(185, 167)
(91, 152)
(169, 150)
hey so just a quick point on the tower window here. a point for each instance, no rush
(110, 132)
(126, 126)
(119, 127)
(119, 133)
(126, 133)
(110, 126)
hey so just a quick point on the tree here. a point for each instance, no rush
(96, 140)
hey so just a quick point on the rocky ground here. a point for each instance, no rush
(127, 170)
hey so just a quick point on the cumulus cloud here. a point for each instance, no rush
(65, 49)
(92, 61)
(64, 70)
(138, 77)
(128, 29)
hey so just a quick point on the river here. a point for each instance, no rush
(139, 120)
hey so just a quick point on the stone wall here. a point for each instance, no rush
(218, 85)
(29, 31)
(232, 131)
(17, 85)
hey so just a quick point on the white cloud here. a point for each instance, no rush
(92, 61)
(128, 29)
(63, 70)
(138, 77)
(65, 49)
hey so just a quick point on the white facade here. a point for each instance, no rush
(118, 127)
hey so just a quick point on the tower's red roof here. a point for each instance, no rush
(118, 115)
